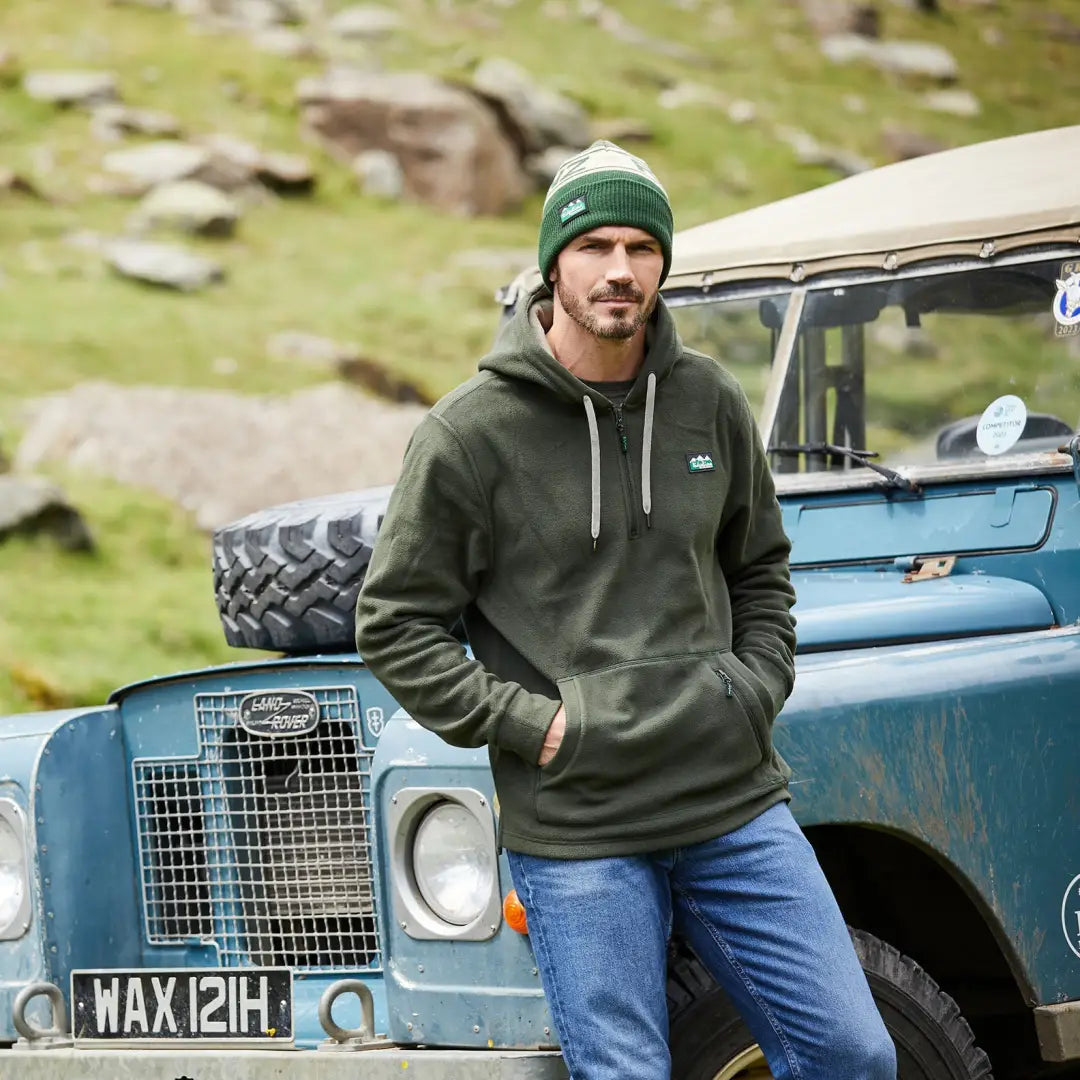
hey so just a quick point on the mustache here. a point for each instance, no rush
(616, 292)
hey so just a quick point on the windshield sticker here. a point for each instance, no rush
(1070, 915)
(1001, 425)
(1067, 300)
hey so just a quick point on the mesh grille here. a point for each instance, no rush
(261, 846)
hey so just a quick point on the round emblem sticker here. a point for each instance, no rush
(1067, 300)
(1001, 425)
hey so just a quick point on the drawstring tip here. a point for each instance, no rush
(648, 521)
(594, 543)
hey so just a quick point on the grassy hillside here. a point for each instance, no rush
(352, 268)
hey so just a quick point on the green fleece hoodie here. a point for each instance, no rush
(629, 562)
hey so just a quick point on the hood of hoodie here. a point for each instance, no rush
(521, 352)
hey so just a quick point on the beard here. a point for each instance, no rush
(617, 326)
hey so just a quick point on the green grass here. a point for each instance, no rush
(72, 627)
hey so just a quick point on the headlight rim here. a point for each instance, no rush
(412, 915)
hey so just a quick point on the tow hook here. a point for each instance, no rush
(361, 1038)
(35, 1038)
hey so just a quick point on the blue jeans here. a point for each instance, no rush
(757, 910)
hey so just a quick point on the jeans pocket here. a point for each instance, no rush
(646, 738)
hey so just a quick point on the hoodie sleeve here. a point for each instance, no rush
(753, 551)
(432, 551)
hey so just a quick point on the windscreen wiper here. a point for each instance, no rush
(860, 457)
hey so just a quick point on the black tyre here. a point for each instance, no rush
(933, 1041)
(287, 578)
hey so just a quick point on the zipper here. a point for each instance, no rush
(730, 686)
(726, 679)
(629, 493)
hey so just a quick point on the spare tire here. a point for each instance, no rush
(287, 578)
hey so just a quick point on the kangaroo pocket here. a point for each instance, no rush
(652, 737)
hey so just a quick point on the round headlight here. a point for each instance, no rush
(12, 874)
(453, 863)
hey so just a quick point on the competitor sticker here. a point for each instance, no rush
(1001, 425)
(1067, 301)
(1070, 915)
(700, 462)
(574, 208)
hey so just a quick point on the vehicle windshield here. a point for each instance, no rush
(922, 368)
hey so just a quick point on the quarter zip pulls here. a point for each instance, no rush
(646, 457)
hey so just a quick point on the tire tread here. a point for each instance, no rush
(287, 578)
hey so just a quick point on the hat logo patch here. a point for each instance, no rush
(574, 208)
(700, 462)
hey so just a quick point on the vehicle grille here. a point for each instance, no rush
(262, 846)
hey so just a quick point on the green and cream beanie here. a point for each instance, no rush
(603, 185)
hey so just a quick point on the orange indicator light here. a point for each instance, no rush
(514, 913)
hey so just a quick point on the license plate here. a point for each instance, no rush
(250, 1005)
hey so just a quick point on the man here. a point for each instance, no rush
(597, 503)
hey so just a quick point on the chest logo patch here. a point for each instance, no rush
(700, 462)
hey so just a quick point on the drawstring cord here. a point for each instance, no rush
(646, 450)
(646, 458)
(594, 448)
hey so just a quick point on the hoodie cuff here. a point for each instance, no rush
(525, 724)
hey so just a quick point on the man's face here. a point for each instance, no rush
(607, 280)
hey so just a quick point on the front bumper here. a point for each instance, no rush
(166, 1064)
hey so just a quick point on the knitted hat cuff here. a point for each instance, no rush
(611, 197)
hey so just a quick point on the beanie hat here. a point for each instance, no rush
(603, 185)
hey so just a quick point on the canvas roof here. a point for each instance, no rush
(1007, 191)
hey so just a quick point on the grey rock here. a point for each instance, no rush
(844, 48)
(65, 88)
(902, 144)
(622, 130)
(910, 340)
(236, 163)
(110, 123)
(287, 42)
(287, 174)
(34, 506)
(1061, 28)
(12, 183)
(543, 117)
(365, 21)
(155, 163)
(218, 453)
(619, 27)
(828, 17)
(452, 151)
(808, 151)
(380, 174)
(691, 94)
(741, 111)
(165, 265)
(542, 167)
(956, 102)
(309, 348)
(190, 206)
(918, 59)
(911, 59)
(339, 82)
